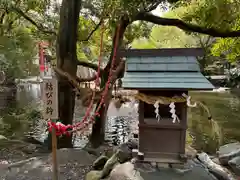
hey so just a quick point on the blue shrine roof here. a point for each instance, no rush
(171, 70)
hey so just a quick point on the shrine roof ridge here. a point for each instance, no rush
(164, 52)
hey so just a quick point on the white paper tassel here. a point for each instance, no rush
(156, 105)
(173, 112)
(189, 101)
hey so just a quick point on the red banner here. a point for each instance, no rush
(41, 45)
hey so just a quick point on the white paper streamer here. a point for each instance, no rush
(189, 101)
(156, 105)
(173, 112)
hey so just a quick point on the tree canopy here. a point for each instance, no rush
(206, 13)
(195, 15)
(221, 14)
(17, 44)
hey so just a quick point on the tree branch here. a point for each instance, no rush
(185, 26)
(92, 32)
(38, 26)
(124, 22)
(74, 80)
(85, 94)
(62, 73)
(89, 65)
(79, 80)
(205, 44)
(118, 73)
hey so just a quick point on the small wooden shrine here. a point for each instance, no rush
(163, 78)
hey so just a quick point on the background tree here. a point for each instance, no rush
(173, 37)
(17, 45)
(18, 52)
(222, 14)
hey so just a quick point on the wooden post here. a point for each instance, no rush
(50, 100)
(54, 153)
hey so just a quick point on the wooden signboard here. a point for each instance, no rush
(50, 98)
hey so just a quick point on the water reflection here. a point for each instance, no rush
(118, 130)
(117, 127)
(234, 103)
(28, 93)
(121, 122)
(225, 109)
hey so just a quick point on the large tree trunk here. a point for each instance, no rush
(98, 129)
(66, 60)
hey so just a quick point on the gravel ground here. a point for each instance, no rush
(25, 163)
(66, 172)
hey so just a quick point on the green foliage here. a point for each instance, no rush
(221, 14)
(18, 36)
(89, 50)
(230, 47)
(172, 37)
(16, 122)
(144, 43)
(213, 13)
(168, 36)
(111, 12)
(17, 53)
(136, 31)
(115, 9)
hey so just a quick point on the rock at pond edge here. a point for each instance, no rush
(99, 163)
(93, 175)
(110, 165)
(235, 165)
(217, 170)
(228, 152)
(125, 171)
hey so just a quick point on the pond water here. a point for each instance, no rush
(225, 110)
(202, 133)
